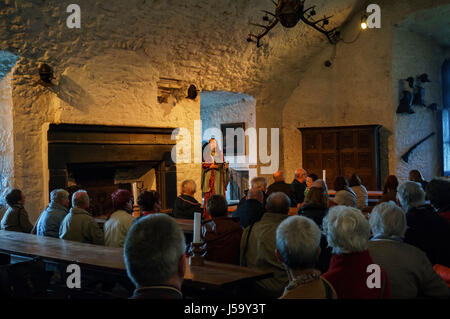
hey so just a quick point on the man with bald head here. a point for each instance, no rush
(79, 225)
(280, 185)
(251, 210)
(298, 185)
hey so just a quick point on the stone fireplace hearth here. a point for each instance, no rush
(102, 159)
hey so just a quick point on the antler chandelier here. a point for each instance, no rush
(289, 13)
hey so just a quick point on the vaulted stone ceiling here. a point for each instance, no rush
(200, 41)
(434, 23)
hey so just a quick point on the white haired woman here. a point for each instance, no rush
(298, 240)
(426, 229)
(409, 270)
(348, 233)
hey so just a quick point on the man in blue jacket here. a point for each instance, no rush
(51, 218)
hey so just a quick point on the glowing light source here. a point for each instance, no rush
(364, 22)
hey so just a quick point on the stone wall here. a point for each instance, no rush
(360, 88)
(414, 54)
(107, 71)
(6, 137)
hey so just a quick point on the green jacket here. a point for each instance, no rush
(260, 253)
(79, 226)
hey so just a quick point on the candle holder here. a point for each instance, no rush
(197, 259)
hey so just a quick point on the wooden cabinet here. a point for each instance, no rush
(343, 151)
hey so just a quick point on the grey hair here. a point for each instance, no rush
(188, 187)
(298, 240)
(410, 194)
(152, 249)
(58, 195)
(80, 198)
(347, 229)
(300, 172)
(258, 182)
(278, 203)
(388, 219)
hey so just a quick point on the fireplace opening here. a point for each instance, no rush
(102, 159)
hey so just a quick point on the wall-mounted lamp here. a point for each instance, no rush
(364, 22)
(46, 73)
(192, 92)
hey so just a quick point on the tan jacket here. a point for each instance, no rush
(311, 290)
(260, 253)
(116, 228)
(79, 226)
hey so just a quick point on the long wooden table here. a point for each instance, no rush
(101, 258)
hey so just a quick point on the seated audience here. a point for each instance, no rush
(222, 234)
(390, 190)
(426, 229)
(298, 240)
(119, 223)
(438, 191)
(186, 205)
(149, 202)
(344, 195)
(16, 217)
(79, 225)
(298, 185)
(409, 271)
(258, 246)
(154, 255)
(258, 183)
(252, 208)
(348, 233)
(317, 212)
(280, 185)
(309, 180)
(362, 197)
(416, 176)
(316, 205)
(51, 218)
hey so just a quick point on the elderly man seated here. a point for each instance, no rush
(186, 205)
(409, 270)
(280, 185)
(154, 255)
(79, 225)
(426, 229)
(51, 218)
(298, 240)
(258, 246)
(252, 209)
(348, 234)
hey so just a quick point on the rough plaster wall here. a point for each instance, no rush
(354, 91)
(218, 108)
(414, 54)
(357, 90)
(6, 137)
(106, 72)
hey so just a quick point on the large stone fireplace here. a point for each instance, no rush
(102, 159)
